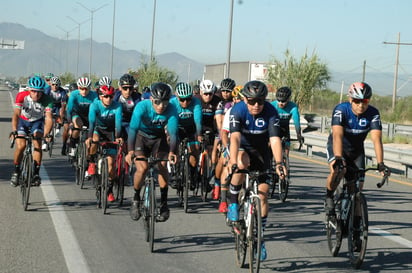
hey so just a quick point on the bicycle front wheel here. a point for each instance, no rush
(26, 175)
(152, 219)
(104, 182)
(186, 181)
(255, 235)
(239, 231)
(358, 231)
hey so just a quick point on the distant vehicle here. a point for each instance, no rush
(23, 87)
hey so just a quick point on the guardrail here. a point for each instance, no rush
(400, 156)
(324, 123)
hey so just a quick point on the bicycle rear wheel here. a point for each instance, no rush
(358, 231)
(26, 175)
(104, 182)
(255, 236)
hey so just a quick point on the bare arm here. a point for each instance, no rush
(15, 118)
(376, 136)
(337, 133)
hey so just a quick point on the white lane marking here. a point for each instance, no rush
(73, 255)
(390, 236)
(11, 98)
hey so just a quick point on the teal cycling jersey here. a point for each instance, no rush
(79, 105)
(108, 118)
(190, 117)
(291, 110)
(146, 122)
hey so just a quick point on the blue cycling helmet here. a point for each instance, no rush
(36, 83)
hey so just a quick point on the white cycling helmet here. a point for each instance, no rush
(105, 81)
(207, 86)
(84, 82)
(183, 90)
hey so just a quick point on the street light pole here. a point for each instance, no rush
(153, 29)
(92, 11)
(67, 46)
(229, 46)
(78, 43)
(114, 14)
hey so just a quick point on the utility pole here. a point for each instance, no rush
(395, 80)
(364, 70)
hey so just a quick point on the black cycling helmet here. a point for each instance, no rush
(283, 93)
(72, 86)
(255, 89)
(127, 79)
(160, 91)
(227, 84)
(360, 90)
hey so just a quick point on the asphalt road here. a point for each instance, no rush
(63, 231)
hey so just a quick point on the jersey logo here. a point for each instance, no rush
(338, 114)
(260, 122)
(233, 121)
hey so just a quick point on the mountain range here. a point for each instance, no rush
(43, 53)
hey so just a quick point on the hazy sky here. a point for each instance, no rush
(343, 33)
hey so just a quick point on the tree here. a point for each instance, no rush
(151, 72)
(67, 78)
(303, 76)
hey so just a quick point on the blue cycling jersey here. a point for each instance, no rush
(59, 96)
(146, 122)
(255, 130)
(356, 128)
(190, 117)
(108, 118)
(78, 104)
(291, 110)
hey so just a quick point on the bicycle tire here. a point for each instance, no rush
(283, 189)
(186, 179)
(145, 211)
(104, 182)
(240, 233)
(356, 256)
(153, 213)
(26, 175)
(118, 186)
(334, 234)
(255, 236)
(205, 177)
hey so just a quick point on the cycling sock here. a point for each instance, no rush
(136, 196)
(16, 168)
(234, 192)
(264, 221)
(223, 195)
(329, 193)
(163, 195)
(36, 167)
(217, 181)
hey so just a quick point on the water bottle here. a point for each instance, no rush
(146, 197)
(345, 207)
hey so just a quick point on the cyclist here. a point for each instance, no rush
(224, 137)
(47, 79)
(32, 112)
(128, 99)
(59, 97)
(210, 103)
(146, 93)
(189, 110)
(147, 136)
(287, 110)
(78, 110)
(253, 124)
(105, 124)
(226, 88)
(351, 122)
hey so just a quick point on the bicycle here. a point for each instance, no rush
(80, 158)
(122, 173)
(282, 185)
(248, 230)
(27, 167)
(148, 203)
(101, 178)
(204, 166)
(350, 210)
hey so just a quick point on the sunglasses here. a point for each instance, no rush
(83, 88)
(282, 101)
(158, 102)
(259, 101)
(127, 87)
(185, 99)
(107, 96)
(226, 91)
(208, 94)
(54, 84)
(358, 101)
